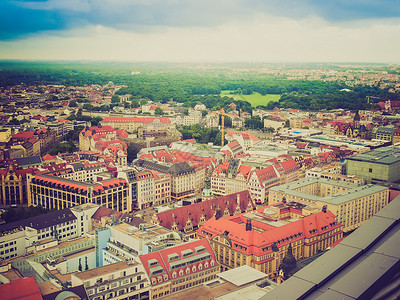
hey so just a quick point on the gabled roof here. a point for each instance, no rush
(194, 212)
(43, 221)
(186, 258)
(29, 161)
(256, 241)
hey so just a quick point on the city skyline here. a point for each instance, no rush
(178, 31)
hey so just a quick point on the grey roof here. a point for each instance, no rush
(172, 169)
(362, 266)
(384, 155)
(29, 161)
(352, 193)
(242, 275)
(78, 166)
(43, 221)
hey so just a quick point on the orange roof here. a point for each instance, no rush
(260, 242)
(136, 119)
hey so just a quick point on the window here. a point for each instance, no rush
(370, 170)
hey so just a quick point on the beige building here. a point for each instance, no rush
(162, 184)
(381, 164)
(262, 238)
(5, 135)
(132, 124)
(53, 192)
(353, 205)
(117, 281)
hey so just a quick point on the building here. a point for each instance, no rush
(117, 281)
(260, 239)
(44, 231)
(381, 164)
(185, 180)
(132, 124)
(234, 176)
(383, 133)
(53, 192)
(13, 186)
(181, 267)
(162, 188)
(187, 219)
(365, 265)
(351, 204)
(121, 241)
(104, 139)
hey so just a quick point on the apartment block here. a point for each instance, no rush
(351, 204)
(53, 192)
(260, 239)
(117, 281)
(181, 267)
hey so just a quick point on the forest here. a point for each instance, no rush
(191, 85)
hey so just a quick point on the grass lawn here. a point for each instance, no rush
(254, 99)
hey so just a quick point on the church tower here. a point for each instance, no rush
(357, 119)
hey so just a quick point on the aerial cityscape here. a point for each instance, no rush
(199, 150)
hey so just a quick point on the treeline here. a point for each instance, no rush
(354, 99)
(191, 86)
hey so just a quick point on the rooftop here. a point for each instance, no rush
(365, 265)
(383, 155)
(122, 265)
(352, 192)
(242, 275)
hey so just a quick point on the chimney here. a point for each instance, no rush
(218, 213)
(248, 225)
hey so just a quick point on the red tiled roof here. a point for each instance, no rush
(180, 215)
(106, 212)
(23, 135)
(122, 133)
(254, 241)
(163, 259)
(48, 157)
(21, 289)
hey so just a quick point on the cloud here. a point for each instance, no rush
(21, 18)
(273, 39)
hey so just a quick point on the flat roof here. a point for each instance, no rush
(364, 265)
(122, 265)
(242, 275)
(384, 155)
(354, 191)
(203, 292)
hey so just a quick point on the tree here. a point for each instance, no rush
(96, 120)
(287, 124)
(132, 152)
(135, 103)
(254, 122)
(73, 103)
(204, 113)
(88, 106)
(158, 111)
(115, 99)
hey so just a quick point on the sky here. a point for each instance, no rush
(201, 30)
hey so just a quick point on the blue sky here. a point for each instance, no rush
(201, 30)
